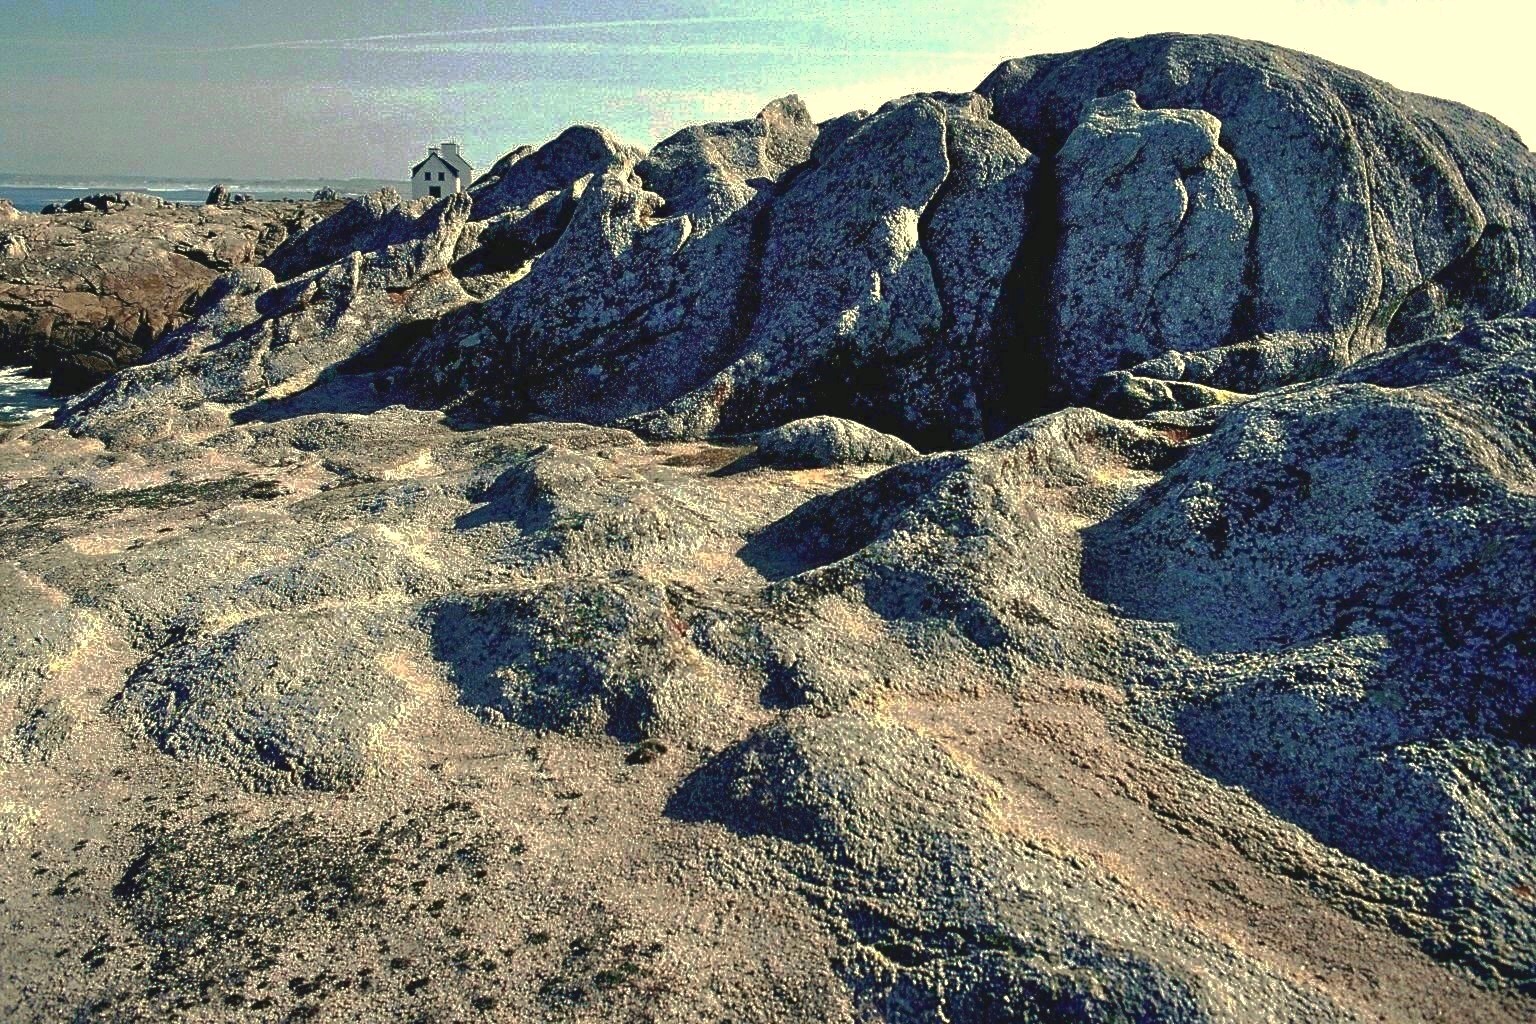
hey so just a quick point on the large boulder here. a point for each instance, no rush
(1377, 214)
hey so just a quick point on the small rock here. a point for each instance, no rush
(646, 751)
(829, 441)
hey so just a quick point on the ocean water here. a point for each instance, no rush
(23, 398)
(32, 194)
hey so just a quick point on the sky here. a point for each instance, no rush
(345, 88)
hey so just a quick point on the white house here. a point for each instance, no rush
(442, 173)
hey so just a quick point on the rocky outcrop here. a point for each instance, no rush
(95, 292)
(647, 285)
(1213, 703)
(1154, 227)
(252, 342)
(520, 177)
(1095, 229)
(1147, 249)
(850, 288)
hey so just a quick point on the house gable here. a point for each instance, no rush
(435, 163)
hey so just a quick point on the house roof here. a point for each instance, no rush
(457, 162)
(460, 167)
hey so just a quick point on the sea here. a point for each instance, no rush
(23, 398)
(31, 194)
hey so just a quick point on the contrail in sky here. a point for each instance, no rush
(557, 26)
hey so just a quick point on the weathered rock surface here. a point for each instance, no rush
(637, 283)
(97, 289)
(365, 224)
(873, 261)
(254, 344)
(326, 692)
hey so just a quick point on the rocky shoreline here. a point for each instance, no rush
(90, 288)
(1060, 552)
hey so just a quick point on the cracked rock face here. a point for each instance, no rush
(1154, 240)
(537, 605)
(861, 253)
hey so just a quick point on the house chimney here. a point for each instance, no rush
(451, 149)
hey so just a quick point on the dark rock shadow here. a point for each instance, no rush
(546, 661)
(513, 498)
(360, 384)
(330, 395)
(729, 789)
(501, 674)
(1324, 770)
(830, 527)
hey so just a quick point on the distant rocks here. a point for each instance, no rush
(220, 195)
(829, 441)
(325, 195)
(109, 202)
(8, 210)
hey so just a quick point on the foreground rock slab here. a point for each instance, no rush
(1061, 727)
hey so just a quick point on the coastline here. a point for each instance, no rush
(30, 196)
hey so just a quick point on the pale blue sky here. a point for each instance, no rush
(326, 88)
